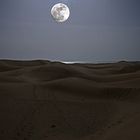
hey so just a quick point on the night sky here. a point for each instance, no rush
(97, 30)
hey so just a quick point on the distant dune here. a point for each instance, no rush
(44, 100)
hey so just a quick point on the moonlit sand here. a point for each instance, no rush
(43, 100)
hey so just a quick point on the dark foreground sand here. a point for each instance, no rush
(42, 100)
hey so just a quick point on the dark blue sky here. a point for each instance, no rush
(97, 30)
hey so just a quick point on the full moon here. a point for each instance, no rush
(60, 12)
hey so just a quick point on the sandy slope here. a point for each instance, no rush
(43, 100)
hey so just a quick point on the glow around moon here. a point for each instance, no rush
(60, 12)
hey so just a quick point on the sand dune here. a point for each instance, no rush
(44, 100)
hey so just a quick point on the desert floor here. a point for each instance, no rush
(43, 100)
